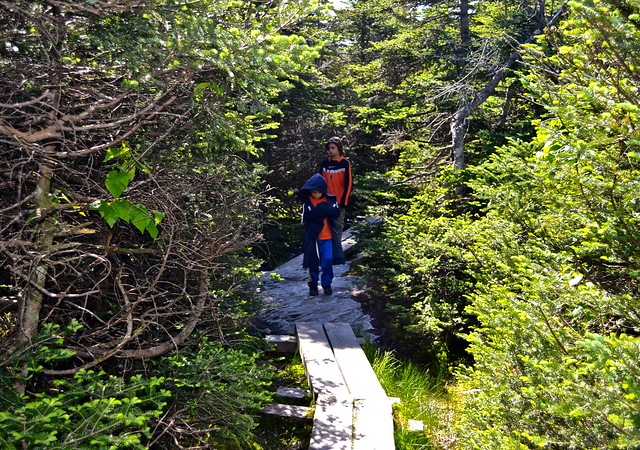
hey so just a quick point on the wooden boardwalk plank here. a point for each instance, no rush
(373, 424)
(339, 372)
(282, 343)
(356, 370)
(332, 424)
(295, 393)
(322, 370)
(373, 415)
(293, 411)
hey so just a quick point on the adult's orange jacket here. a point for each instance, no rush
(337, 174)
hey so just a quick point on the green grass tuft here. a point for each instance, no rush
(422, 397)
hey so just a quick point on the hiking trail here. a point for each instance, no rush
(286, 297)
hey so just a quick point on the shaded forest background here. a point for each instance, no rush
(150, 152)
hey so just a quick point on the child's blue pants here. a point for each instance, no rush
(325, 254)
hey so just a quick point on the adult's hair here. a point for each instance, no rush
(335, 140)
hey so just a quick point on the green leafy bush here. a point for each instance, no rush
(556, 349)
(216, 389)
(419, 271)
(89, 409)
(544, 373)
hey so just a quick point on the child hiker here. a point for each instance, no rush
(322, 247)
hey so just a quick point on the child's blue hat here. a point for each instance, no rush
(315, 183)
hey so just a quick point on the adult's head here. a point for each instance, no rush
(337, 142)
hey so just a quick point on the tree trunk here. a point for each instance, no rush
(32, 296)
(505, 107)
(465, 31)
(30, 303)
(460, 117)
(542, 13)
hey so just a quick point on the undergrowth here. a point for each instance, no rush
(423, 397)
(285, 433)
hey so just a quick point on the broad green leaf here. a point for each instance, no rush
(123, 209)
(141, 218)
(152, 229)
(117, 152)
(107, 211)
(117, 182)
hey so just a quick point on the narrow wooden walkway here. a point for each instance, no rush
(352, 411)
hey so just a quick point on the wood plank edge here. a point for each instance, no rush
(295, 393)
(415, 425)
(282, 343)
(288, 411)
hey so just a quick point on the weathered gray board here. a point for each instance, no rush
(333, 417)
(352, 409)
(293, 411)
(323, 373)
(356, 370)
(373, 415)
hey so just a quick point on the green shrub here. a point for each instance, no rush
(542, 376)
(419, 269)
(216, 389)
(206, 394)
(89, 409)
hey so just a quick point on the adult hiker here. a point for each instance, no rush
(336, 170)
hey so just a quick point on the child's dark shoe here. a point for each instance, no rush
(327, 290)
(313, 290)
